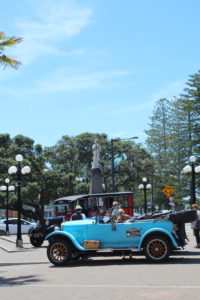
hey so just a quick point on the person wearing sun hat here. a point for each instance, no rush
(78, 215)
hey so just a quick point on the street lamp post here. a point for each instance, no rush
(113, 169)
(112, 157)
(152, 192)
(7, 188)
(193, 170)
(19, 170)
(145, 186)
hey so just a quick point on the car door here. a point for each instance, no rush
(12, 223)
(3, 226)
(25, 225)
(115, 235)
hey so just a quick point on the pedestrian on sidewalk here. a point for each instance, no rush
(195, 225)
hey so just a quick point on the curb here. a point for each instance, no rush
(7, 250)
(12, 243)
(6, 239)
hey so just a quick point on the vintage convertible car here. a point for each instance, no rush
(157, 236)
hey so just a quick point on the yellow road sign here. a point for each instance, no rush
(168, 190)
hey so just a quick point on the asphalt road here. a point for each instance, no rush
(27, 274)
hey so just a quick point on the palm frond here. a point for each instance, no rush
(7, 61)
(10, 41)
(6, 42)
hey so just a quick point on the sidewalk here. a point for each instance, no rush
(8, 243)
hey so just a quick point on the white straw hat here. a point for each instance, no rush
(78, 207)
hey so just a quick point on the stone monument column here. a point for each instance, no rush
(96, 175)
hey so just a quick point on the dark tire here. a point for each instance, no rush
(2, 232)
(59, 252)
(36, 242)
(157, 249)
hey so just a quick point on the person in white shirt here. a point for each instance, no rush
(114, 209)
(106, 216)
(196, 230)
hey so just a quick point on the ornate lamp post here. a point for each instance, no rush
(193, 170)
(112, 157)
(7, 188)
(145, 186)
(19, 170)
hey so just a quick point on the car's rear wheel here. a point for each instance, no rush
(36, 242)
(59, 252)
(157, 248)
(2, 232)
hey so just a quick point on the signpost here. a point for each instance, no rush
(168, 191)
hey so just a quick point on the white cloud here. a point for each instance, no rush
(26, 53)
(64, 80)
(8, 73)
(51, 23)
(170, 90)
(129, 109)
(55, 21)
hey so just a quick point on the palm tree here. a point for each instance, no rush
(4, 42)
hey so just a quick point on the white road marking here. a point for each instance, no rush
(105, 286)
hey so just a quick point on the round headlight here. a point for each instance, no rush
(38, 222)
(47, 222)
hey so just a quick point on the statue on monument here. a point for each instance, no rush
(96, 155)
(96, 176)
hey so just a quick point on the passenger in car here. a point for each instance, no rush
(115, 209)
(122, 217)
(106, 216)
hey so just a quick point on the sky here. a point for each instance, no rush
(94, 66)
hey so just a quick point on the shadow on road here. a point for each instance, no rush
(19, 280)
(181, 258)
(22, 264)
(186, 252)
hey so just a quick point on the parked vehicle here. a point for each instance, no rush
(12, 223)
(157, 237)
(93, 203)
(38, 233)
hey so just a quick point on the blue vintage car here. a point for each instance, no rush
(157, 236)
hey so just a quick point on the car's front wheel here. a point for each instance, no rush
(157, 248)
(59, 252)
(36, 242)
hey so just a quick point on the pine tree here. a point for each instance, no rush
(192, 97)
(174, 136)
(158, 140)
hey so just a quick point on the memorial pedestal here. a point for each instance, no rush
(96, 181)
